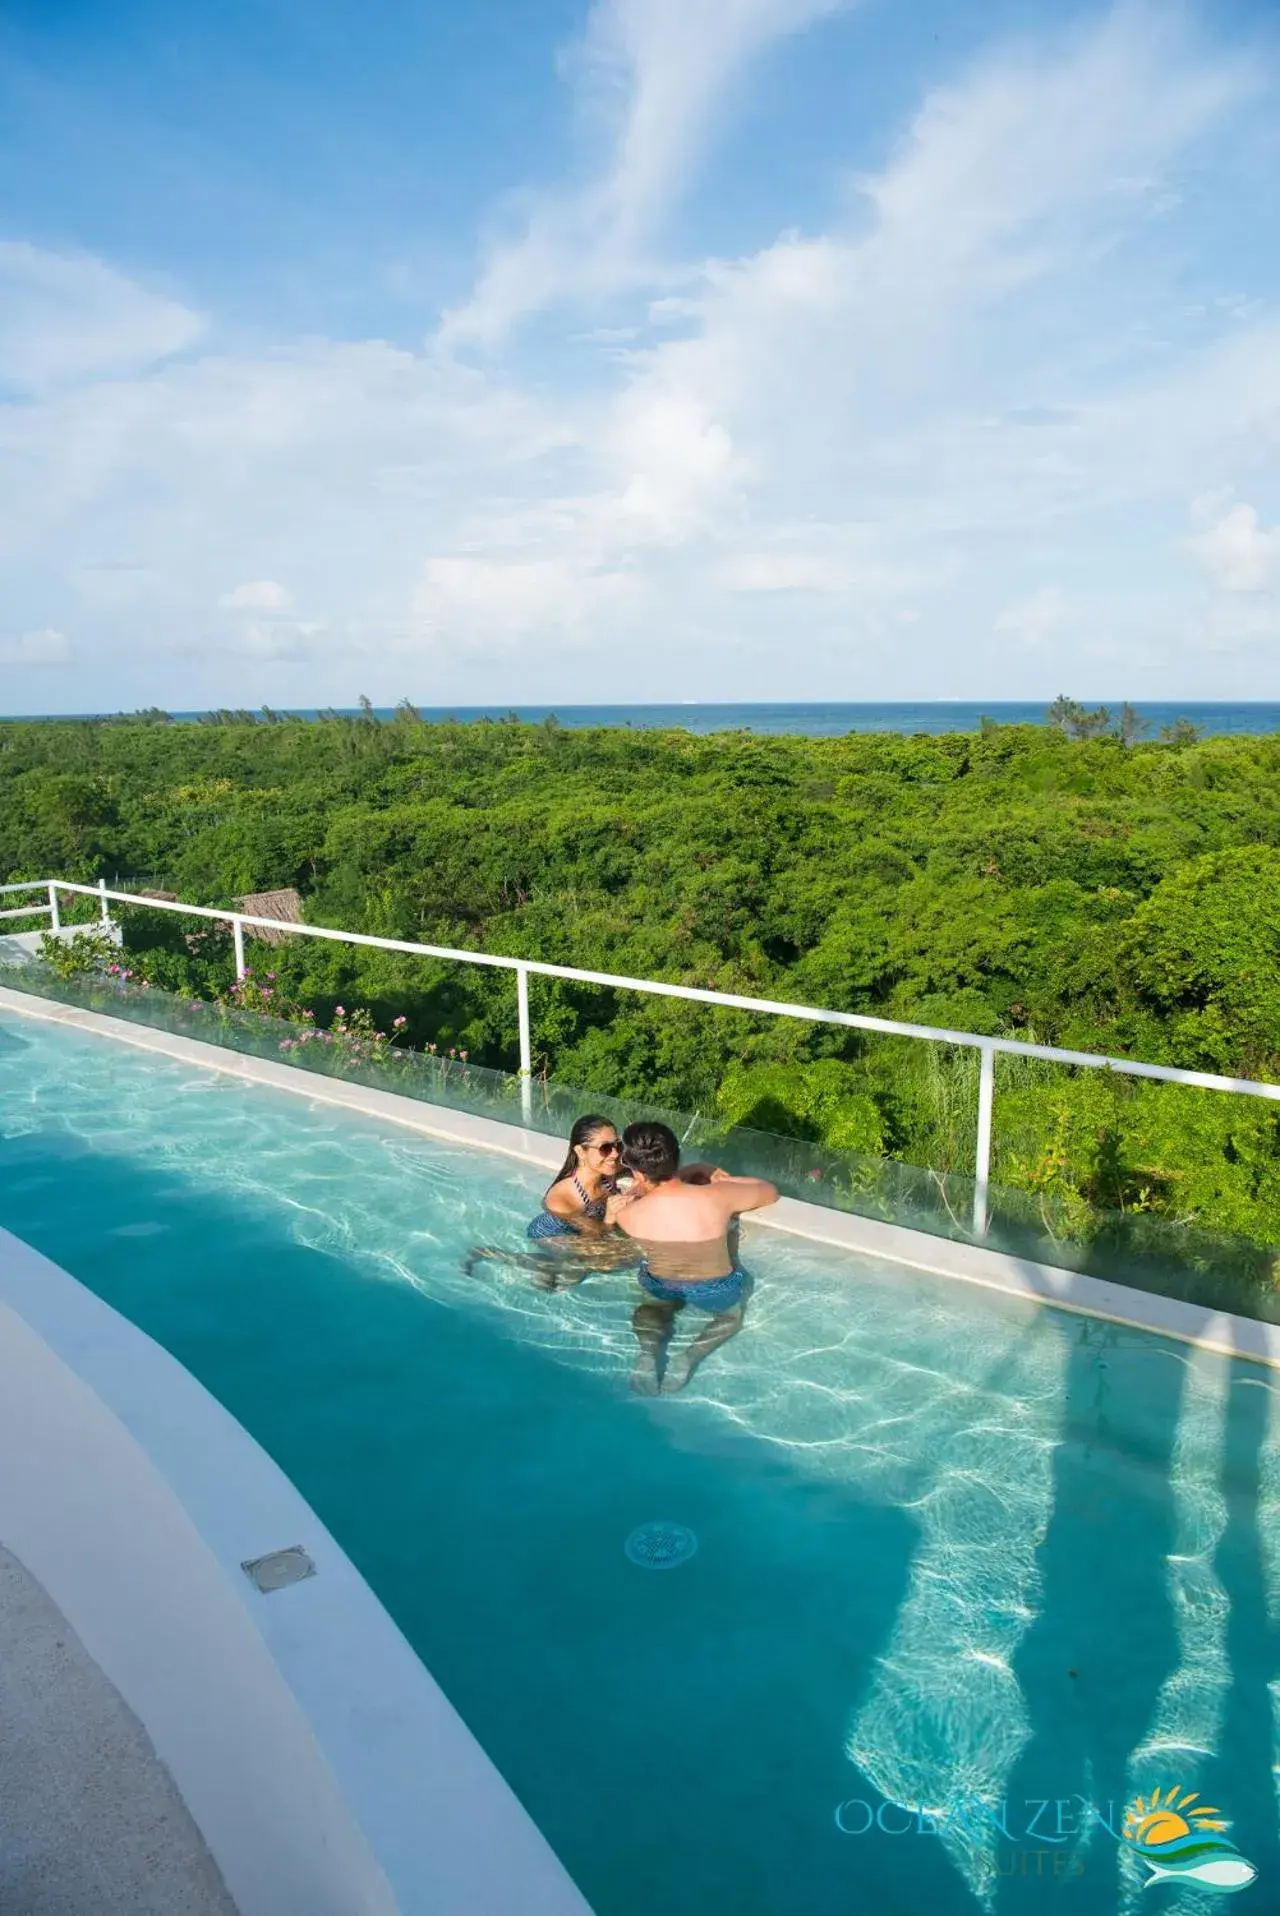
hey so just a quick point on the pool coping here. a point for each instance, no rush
(975, 1264)
(321, 1762)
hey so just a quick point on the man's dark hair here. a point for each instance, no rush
(651, 1149)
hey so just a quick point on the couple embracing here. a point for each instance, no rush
(682, 1222)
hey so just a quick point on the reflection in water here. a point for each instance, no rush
(945, 1720)
(1186, 1723)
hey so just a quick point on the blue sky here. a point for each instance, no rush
(657, 349)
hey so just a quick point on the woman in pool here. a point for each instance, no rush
(571, 1231)
(578, 1195)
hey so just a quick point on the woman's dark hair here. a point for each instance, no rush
(581, 1133)
(651, 1149)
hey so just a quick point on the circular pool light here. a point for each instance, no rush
(661, 1546)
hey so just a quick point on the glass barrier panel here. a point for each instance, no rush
(1045, 1217)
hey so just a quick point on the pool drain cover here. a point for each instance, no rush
(279, 1568)
(660, 1546)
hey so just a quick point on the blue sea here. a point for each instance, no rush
(833, 718)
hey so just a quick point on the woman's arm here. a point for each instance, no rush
(617, 1204)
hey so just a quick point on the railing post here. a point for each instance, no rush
(55, 917)
(982, 1157)
(237, 932)
(104, 912)
(526, 1045)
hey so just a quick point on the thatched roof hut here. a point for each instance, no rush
(283, 905)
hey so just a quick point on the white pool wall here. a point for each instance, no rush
(323, 1766)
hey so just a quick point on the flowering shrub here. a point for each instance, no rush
(352, 1038)
(253, 993)
(86, 951)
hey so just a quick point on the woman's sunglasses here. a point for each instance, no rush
(614, 1144)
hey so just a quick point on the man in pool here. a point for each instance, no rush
(683, 1222)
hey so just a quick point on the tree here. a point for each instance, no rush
(1205, 948)
(1181, 732)
(1099, 899)
(1076, 720)
(1129, 726)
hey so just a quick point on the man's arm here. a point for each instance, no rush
(744, 1194)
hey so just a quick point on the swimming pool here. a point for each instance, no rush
(954, 1552)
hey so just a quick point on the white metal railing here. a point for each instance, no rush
(987, 1048)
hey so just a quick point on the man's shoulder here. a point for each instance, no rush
(665, 1197)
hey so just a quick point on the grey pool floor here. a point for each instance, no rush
(91, 1822)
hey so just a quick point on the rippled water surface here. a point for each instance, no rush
(962, 1567)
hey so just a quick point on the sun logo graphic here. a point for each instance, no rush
(1182, 1840)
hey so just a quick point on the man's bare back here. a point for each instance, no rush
(687, 1215)
(684, 1222)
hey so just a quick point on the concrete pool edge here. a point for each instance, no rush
(319, 1760)
(1020, 1278)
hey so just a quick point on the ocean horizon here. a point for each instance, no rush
(820, 718)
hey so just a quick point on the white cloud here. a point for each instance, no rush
(273, 639)
(258, 595)
(1034, 620)
(784, 572)
(1237, 552)
(653, 75)
(973, 382)
(68, 316)
(45, 647)
(670, 462)
(470, 598)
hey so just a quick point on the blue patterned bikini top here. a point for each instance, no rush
(547, 1224)
(591, 1207)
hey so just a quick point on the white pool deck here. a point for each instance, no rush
(91, 1819)
(241, 1754)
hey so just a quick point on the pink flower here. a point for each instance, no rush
(462, 1055)
(398, 1022)
(340, 1010)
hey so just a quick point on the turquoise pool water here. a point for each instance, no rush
(986, 1562)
